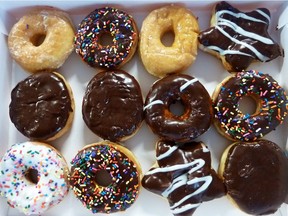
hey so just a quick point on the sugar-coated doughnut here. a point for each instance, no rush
(105, 177)
(113, 105)
(158, 59)
(184, 176)
(106, 21)
(196, 117)
(270, 98)
(33, 177)
(239, 38)
(255, 174)
(42, 106)
(42, 40)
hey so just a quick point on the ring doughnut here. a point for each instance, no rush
(42, 106)
(41, 40)
(158, 59)
(105, 177)
(255, 175)
(113, 105)
(197, 114)
(33, 177)
(270, 100)
(110, 22)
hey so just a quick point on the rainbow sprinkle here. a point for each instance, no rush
(122, 28)
(272, 106)
(123, 190)
(28, 197)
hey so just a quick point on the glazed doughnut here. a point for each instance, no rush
(33, 177)
(255, 174)
(42, 106)
(197, 114)
(113, 105)
(184, 176)
(158, 59)
(106, 21)
(105, 177)
(41, 40)
(270, 100)
(239, 38)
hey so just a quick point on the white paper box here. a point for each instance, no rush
(207, 69)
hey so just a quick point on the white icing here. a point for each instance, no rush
(167, 153)
(227, 52)
(264, 15)
(21, 193)
(187, 84)
(153, 103)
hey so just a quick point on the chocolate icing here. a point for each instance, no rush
(113, 105)
(175, 165)
(256, 176)
(197, 115)
(40, 105)
(240, 49)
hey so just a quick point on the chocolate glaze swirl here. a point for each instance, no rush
(113, 105)
(256, 176)
(40, 105)
(184, 176)
(240, 37)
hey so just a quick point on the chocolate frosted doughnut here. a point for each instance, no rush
(113, 105)
(270, 99)
(110, 21)
(197, 115)
(255, 174)
(42, 106)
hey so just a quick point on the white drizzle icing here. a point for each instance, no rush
(183, 179)
(264, 15)
(153, 103)
(187, 84)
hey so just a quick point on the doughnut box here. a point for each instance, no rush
(208, 70)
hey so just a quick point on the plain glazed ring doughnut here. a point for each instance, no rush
(105, 177)
(110, 22)
(41, 40)
(270, 101)
(33, 177)
(158, 59)
(113, 105)
(42, 106)
(255, 175)
(196, 117)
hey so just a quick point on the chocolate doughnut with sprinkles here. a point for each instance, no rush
(104, 23)
(239, 38)
(105, 177)
(271, 105)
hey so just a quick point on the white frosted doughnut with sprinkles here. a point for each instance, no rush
(33, 177)
(271, 105)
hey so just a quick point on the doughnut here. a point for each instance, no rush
(41, 40)
(239, 38)
(158, 59)
(271, 105)
(33, 177)
(42, 106)
(186, 90)
(106, 22)
(255, 174)
(105, 177)
(112, 106)
(184, 176)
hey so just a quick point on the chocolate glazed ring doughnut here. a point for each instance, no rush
(197, 114)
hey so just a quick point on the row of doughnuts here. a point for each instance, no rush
(183, 87)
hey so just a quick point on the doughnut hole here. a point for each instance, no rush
(177, 107)
(106, 39)
(102, 178)
(168, 37)
(38, 39)
(32, 176)
(250, 105)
